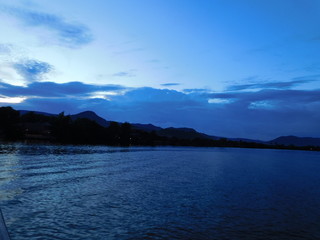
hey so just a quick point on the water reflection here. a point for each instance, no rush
(9, 172)
(85, 192)
(33, 149)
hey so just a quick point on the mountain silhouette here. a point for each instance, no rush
(91, 116)
(296, 141)
(189, 133)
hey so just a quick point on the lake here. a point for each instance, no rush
(85, 192)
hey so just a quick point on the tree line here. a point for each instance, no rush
(62, 129)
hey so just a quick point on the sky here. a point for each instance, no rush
(230, 68)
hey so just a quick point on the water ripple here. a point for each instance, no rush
(84, 192)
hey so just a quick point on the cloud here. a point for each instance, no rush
(123, 74)
(32, 70)
(170, 84)
(308, 78)
(196, 90)
(56, 90)
(285, 97)
(5, 49)
(69, 34)
(152, 95)
(264, 114)
(153, 61)
(51, 105)
(270, 85)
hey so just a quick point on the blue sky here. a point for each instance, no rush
(224, 67)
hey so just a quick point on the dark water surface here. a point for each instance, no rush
(66, 192)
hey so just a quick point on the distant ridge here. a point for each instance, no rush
(86, 114)
(296, 141)
(22, 112)
(91, 116)
(190, 133)
(247, 140)
(146, 127)
(182, 133)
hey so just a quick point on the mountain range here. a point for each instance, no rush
(189, 133)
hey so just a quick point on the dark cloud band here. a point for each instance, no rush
(56, 90)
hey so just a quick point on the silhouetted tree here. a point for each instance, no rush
(9, 124)
(86, 131)
(34, 117)
(113, 133)
(125, 134)
(61, 128)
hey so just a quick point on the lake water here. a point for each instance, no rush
(84, 192)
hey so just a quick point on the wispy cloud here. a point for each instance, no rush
(124, 74)
(269, 85)
(32, 70)
(5, 49)
(153, 60)
(69, 34)
(307, 78)
(196, 90)
(170, 84)
(280, 98)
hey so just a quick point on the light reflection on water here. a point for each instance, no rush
(9, 171)
(73, 192)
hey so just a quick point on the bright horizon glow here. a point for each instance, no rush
(12, 100)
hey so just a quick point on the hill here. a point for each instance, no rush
(182, 133)
(145, 127)
(296, 141)
(91, 116)
(190, 133)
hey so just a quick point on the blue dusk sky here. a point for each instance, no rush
(232, 68)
